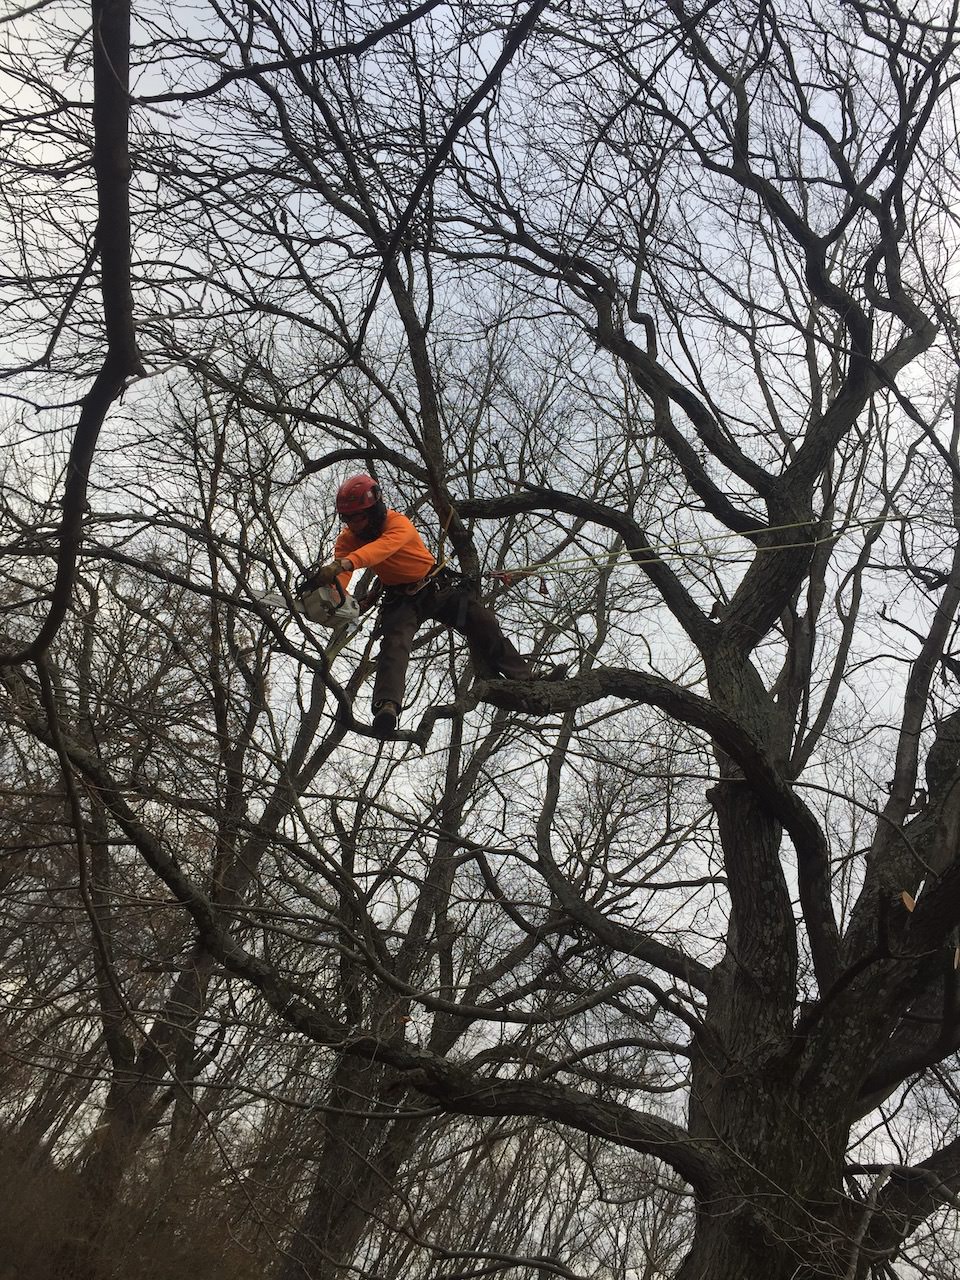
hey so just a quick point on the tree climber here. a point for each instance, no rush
(411, 588)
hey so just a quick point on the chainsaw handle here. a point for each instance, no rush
(308, 582)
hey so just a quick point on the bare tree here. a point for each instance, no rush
(651, 309)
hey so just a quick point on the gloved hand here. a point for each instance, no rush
(327, 574)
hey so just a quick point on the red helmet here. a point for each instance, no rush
(356, 494)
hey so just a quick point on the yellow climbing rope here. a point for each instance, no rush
(660, 554)
(664, 552)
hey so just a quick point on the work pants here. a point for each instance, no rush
(445, 599)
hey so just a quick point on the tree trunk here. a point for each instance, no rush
(355, 1174)
(778, 1215)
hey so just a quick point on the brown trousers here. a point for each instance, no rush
(448, 600)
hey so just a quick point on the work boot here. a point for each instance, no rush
(385, 719)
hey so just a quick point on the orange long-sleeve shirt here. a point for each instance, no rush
(397, 556)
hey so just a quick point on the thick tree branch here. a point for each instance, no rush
(675, 595)
(111, 162)
(912, 1194)
(771, 788)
